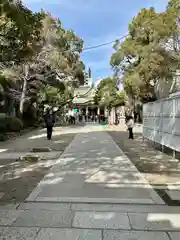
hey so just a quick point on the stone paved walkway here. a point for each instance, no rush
(92, 192)
(94, 169)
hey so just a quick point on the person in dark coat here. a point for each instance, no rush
(49, 121)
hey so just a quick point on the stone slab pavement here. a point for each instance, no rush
(92, 192)
(94, 169)
(46, 221)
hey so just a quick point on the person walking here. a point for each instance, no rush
(49, 119)
(130, 125)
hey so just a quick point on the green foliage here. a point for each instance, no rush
(54, 97)
(150, 52)
(10, 124)
(39, 58)
(19, 32)
(2, 123)
(30, 158)
(13, 124)
(108, 95)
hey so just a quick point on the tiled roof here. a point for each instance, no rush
(85, 94)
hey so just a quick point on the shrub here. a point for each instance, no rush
(13, 124)
(2, 123)
(9, 124)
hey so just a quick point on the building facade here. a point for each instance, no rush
(84, 101)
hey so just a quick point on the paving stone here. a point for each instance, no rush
(101, 220)
(9, 206)
(33, 195)
(173, 194)
(43, 149)
(1, 194)
(45, 206)
(7, 217)
(174, 235)
(42, 218)
(130, 208)
(132, 235)
(68, 234)
(99, 199)
(98, 148)
(44, 155)
(175, 186)
(155, 221)
(14, 233)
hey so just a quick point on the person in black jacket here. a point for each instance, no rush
(49, 119)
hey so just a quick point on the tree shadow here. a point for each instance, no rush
(145, 155)
(17, 177)
(93, 166)
(37, 139)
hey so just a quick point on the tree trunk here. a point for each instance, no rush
(24, 90)
(23, 96)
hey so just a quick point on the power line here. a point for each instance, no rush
(96, 46)
(103, 44)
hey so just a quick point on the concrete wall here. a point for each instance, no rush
(162, 122)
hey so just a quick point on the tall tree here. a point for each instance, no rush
(145, 56)
(19, 32)
(42, 54)
(108, 95)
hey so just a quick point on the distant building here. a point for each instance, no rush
(84, 98)
(84, 101)
(87, 78)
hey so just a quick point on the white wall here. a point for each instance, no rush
(162, 122)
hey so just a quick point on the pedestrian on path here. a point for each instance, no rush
(130, 125)
(49, 119)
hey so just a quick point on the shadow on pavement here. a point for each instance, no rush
(17, 177)
(38, 139)
(98, 169)
(145, 156)
(94, 167)
(159, 168)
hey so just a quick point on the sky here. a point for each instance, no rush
(96, 22)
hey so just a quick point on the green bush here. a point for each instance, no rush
(13, 124)
(2, 123)
(10, 124)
